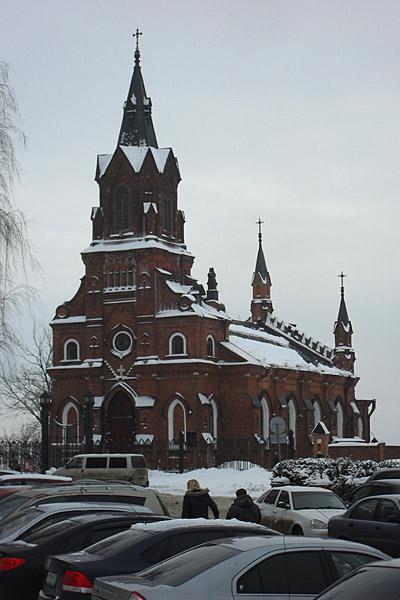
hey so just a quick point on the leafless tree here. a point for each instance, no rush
(23, 375)
(14, 248)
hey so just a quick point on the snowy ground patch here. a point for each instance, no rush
(220, 482)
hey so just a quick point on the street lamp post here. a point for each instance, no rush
(45, 402)
(88, 422)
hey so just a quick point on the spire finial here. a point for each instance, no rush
(342, 276)
(259, 223)
(137, 51)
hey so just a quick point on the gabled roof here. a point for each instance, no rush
(136, 157)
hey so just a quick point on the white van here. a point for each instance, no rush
(123, 467)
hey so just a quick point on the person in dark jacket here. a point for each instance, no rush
(243, 508)
(197, 501)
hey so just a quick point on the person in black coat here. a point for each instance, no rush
(243, 508)
(197, 501)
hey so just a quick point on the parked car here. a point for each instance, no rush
(83, 493)
(373, 488)
(33, 518)
(374, 521)
(128, 467)
(299, 510)
(384, 474)
(32, 479)
(375, 581)
(134, 550)
(22, 570)
(277, 567)
(8, 472)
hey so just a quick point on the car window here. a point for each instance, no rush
(284, 497)
(373, 582)
(345, 562)
(379, 488)
(386, 475)
(385, 509)
(117, 462)
(290, 573)
(271, 497)
(40, 537)
(362, 492)
(311, 499)
(364, 510)
(99, 533)
(50, 520)
(96, 462)
(138, 462)
(74, 463)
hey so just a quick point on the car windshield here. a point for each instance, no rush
(187, 565)
(18, 520)
(11, 503)
(304, 500)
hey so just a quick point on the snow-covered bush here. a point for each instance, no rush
(340, 475)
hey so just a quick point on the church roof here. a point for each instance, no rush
(136, 157)
(137, 125)
(261, 264)
(269, 349)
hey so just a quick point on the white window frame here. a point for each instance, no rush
(339, 420)
(171, 339)
(64, 421)
(317, 412)
(292, 410)
(265, 418)
(214, 418)
(171, 410)
(78, 350)
(211, 338)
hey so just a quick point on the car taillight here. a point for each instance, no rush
(74, 581)
(136, 596)
(8, 564)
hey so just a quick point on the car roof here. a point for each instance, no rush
(381, 497)
(71, 506)
(70, 489)
(13, 476)
(300, 488)
(106, 454)
(190, 524)
(251, 543)
(395, 482)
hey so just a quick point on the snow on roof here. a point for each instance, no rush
(200, 310)
(178, 288)
(264, 349)
(148, 205)
(178, 523)
(144, 401)
(136, 156)
(69, 320)
(122, 245)
(144, 438)
(163, 271)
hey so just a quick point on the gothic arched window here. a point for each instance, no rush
(176, 420)
(265, 418)
(214, 419)
(121, 209)
(339, 420)
(210, 346)
(317, 412)
(71, 350)
(177, 344)
(292, 419)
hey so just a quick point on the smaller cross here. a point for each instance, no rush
(342, 276)
(121, 371)
(136, 35)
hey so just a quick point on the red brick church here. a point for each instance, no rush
(145, 354)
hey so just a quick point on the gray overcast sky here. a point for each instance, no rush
(284, 110)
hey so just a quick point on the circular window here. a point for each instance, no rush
(122, 342)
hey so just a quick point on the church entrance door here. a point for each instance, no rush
(120, 423)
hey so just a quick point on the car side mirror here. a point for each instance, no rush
(394, 518)
(282, 505)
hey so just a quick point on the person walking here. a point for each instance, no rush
(243, 508)
(197, 501)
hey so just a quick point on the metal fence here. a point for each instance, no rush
(19, 455)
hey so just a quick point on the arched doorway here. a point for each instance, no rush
(120, 422)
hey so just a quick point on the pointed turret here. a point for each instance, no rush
(344, 356)
(261, 284)
(137, 125)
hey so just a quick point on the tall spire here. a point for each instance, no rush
(261, 283)
(137, 125)
(344, 354)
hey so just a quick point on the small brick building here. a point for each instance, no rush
(154, 356)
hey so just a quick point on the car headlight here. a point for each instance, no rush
(317, 524)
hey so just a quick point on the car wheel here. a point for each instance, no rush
(297, 530)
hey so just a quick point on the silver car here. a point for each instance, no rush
(36, 517)
(298, 510)
(277, 568)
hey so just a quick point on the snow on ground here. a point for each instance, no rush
(220, 482)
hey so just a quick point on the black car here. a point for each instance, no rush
(374, 521)
(384, 474)
(72, 575)
(375, 581)
(22, 570)
(373, 488)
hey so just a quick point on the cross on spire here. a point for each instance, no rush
(259, 223)
(342, 276)
(137, 51)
